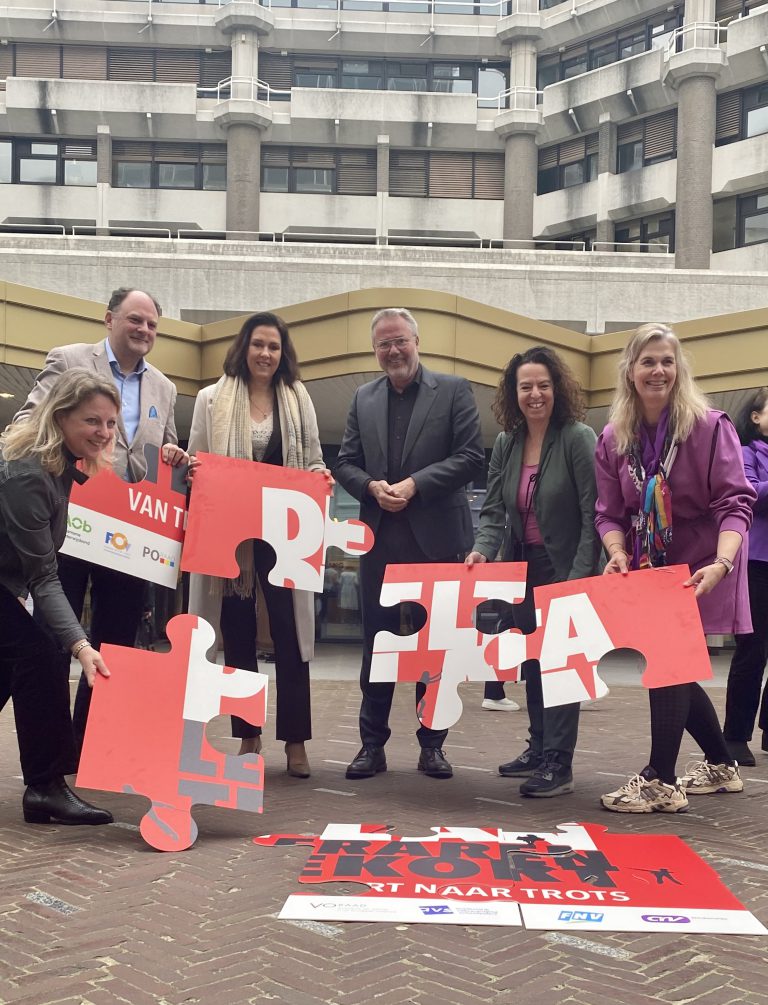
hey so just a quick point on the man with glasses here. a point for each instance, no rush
(148, 398)
(411, 444)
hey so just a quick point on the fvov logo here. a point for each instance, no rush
(666, 919)
(593, 916)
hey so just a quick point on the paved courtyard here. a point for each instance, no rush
(95, 917)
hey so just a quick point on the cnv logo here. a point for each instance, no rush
(593, 916)
(117, 540)
(667, 919)
(435, 909)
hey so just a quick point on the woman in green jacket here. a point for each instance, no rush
(540, 504)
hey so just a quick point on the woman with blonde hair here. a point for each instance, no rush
(671, 490)
(260, 411)
(76, 421)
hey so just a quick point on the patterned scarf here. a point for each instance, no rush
(231, 437)
(650, 463)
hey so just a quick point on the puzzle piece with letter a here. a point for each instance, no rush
(133, 527)
(146, 732)
(235, 500)
(578, 622)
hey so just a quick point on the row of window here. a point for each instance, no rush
(740, 221)
(741, 114)
(282, 72)
(567, 164)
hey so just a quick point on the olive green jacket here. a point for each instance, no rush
(564, 499)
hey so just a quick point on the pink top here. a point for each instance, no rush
(525, 491)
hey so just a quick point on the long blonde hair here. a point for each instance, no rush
(686, 403)
(40, 435)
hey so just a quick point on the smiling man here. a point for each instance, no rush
(148, 398)
(411, 445)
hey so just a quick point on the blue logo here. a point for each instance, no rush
(152, 412)
(667, 919)
(435, 909)
(593, 916)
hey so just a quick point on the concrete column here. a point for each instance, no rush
(606, 166)
(696, 109)
(245, 61)
(522, 62)
(103, 177)
(243, 177)
(520, 170)
(382, 188)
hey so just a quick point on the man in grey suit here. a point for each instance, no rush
(411, 445)
(148, 398)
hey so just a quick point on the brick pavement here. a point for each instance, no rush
(94, 917)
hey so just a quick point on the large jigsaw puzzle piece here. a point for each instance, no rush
(579, 621)
(236, 500)
(146, 732)
(449, 649)
(137, 528)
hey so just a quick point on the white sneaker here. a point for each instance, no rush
(500, 705)
(641, 795)
(703, 777)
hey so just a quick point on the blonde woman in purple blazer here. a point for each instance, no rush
(663, 436)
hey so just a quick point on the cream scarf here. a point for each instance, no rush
(231, 437)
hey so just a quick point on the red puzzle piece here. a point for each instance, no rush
(135, 528)
(236, 500)
(146, 732)
(579, 622)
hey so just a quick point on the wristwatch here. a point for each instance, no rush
(722, 560)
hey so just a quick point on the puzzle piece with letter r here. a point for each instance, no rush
(146, 732)
(236, 500)
(578, 622)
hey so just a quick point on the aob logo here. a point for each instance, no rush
(117, 540)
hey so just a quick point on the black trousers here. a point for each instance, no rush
(395, 545)
(551, 730)
(745, 678)
(239, 630)
(117, 601)
(30, 674)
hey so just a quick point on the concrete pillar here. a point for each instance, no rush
(696, 108)
(245, 62)
(606, 166)
(520, 170)
(103, 177)
(382, 188)
(243, 177)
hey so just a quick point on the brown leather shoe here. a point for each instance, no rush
(298, 763)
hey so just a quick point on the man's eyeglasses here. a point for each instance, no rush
(386, 345)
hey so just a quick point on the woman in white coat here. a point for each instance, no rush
(260, 411)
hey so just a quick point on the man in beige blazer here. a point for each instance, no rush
(148, 398)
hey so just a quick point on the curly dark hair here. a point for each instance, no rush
(235, 362)
(745, 427)
(568, 395)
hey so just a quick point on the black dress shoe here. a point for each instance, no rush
(739, 751)
(55, 801)
(433, 763)
(368, 762)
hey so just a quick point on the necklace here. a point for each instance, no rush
(263, 412)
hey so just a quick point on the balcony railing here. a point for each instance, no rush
(519, 99)
(697, 35)
(243, 88)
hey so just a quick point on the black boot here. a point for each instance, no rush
(55, 801)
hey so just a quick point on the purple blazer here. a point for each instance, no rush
(710, 493)
(756, 467)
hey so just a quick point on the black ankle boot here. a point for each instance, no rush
(55, 801)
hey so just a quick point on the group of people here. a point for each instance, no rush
(665, 483)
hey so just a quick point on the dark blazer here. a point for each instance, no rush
(158, 398)
(564, 501)
(443, 451)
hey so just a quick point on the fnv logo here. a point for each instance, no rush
(117, 540)
(667, 919)
(593, 916)
(430, 909)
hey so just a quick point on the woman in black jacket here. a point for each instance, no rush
(76, 421)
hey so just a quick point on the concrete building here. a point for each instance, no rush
(605, 124)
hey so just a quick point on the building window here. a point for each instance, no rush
(646, 141)
(48, 162)
(753, 219)
(642, 36)
(446, 175)
(318, 170)
(169, 165)
(741, 114)
(567, 164)
(650, 233)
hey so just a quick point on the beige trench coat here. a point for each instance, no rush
(201, 602)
